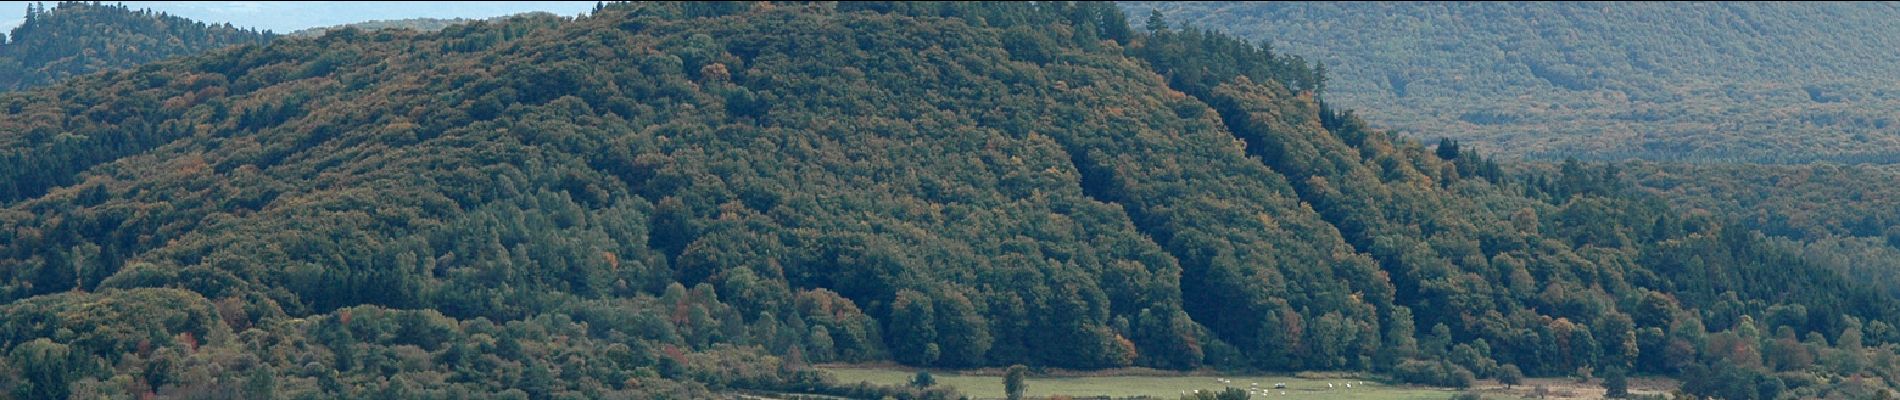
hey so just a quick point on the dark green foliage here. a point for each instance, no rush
(1438, 373)
(676, 200)
(1725, 380)
(1447, 149)
(1156, 22)
(1014, 381)
(1232, 393)
(923, 379)
(46, 368)
(1838, 216)
(1510, 375)
(77, 38)
(1616, 383)
(913, 329)
(261, 384)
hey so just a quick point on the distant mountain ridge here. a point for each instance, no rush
(1765, 82)
(419, 24)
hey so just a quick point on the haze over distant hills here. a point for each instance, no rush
(289, 16)
(420, 24)
(1742, 81)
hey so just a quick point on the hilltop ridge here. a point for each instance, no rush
(77, 38)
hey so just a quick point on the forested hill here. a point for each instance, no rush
(420, 24)
(677, 200)
(1756, 81)
(76, 38)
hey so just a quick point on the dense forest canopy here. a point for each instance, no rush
(1732, 81)
(676, 200)
(1843, 217)
(75, 38)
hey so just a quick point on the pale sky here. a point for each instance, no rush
(289, 16)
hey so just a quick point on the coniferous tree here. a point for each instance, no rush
(1015, 381)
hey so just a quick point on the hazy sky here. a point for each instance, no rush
(288, 16)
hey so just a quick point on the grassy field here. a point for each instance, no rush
(1168, 387)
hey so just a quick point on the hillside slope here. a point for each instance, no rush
(1761, 82)
(420, 24)
(1844, 217)
(77, 38)
(672, 200)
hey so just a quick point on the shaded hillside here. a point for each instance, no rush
(1763, 82)
(672, 200)
(77, 38)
